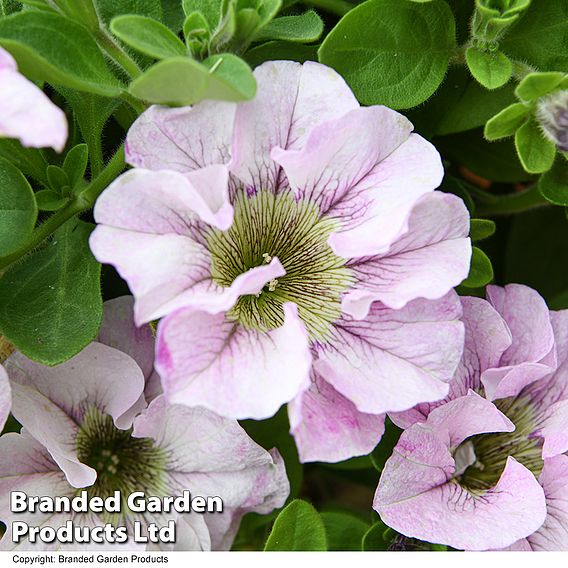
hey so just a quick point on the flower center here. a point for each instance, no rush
(267, 226)
(123, 463)
(490, 451)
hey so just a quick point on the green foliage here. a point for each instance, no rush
(367, 42)
(481, 229)
(183, 81)
(75, 163)
(51, 48)
(344, 531)
(378, 537)
(491, 69)
(480, 271)
(50, 302)
(18, 209)
(303, 29)
(536, 85)
(147, 36)
(554, 183)
(535, 151)
(506, 122)
(298, 527)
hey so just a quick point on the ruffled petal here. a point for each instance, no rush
(50, 402)
(181, 139)
(376, 211)
(419, 497)
(487, 337)
(5, 397)
(555, 430)
(206, 360)
(340, 153)
(291, 100)
(427, 262)
(532, 354)
(395, 359)
(328, 427)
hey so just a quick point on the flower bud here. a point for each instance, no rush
(552, 114)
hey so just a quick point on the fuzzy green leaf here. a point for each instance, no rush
(536, 152)
(481, 229)
(344, 531)
(52, 48)
(492, 70)
(372, 49)
(18, 209)
(480, 272)
(182, 81)
(536, 85)
(507, 122)
(554, 183)
(50, 302)
(298, 527)
(147, 36)
(49, 200)
(75, 163)
(302, 29)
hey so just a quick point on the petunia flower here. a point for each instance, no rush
(5, 391)
(26, 113)
(487, 468)
(80, 431)
(296, 251)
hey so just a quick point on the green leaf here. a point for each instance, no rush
(506, 122)
(29, 161)
(50, 302)
(303, 29)
(108, 9)
(182, 81)
(18, 209)
(52, 48)
(481, 229)
(535, 151)
(297, 527)
(554, 183)
(82, 11)
(147, 36)
(211, 10)
(480, 272)
(371, 47)
(49, 200)
(491, 69)
(344, 531)
(57, 178)
(75, 163)
(540, 37)
(280, 50)
(536, 85)
(378, 537)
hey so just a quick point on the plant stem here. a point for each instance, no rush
(339, 7)
(116, 52)
(78, 204)
(512, 203)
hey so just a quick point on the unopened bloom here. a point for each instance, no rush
(83, 428)
(297, 253)
(26, 113)
(486, 468)
(552, 113)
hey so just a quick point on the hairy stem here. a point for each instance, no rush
(339, 7)
(512, 203)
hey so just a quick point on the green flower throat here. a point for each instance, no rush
(268, 225)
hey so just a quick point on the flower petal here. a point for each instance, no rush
(426, 262)
(5, 397)
(555, 430)
(376, 211)
(50, 402)
(487, 337)
(291, 99)
(206, 360)
(26, 113)
(328, 427)
(418, 496)
(532, 353)
(338, 154)
(395, 359)
(181, 139)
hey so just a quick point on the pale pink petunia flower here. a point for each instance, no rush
(297, 253)
(486, 468)
(80, 431)
(26, 113)
(5, 397)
